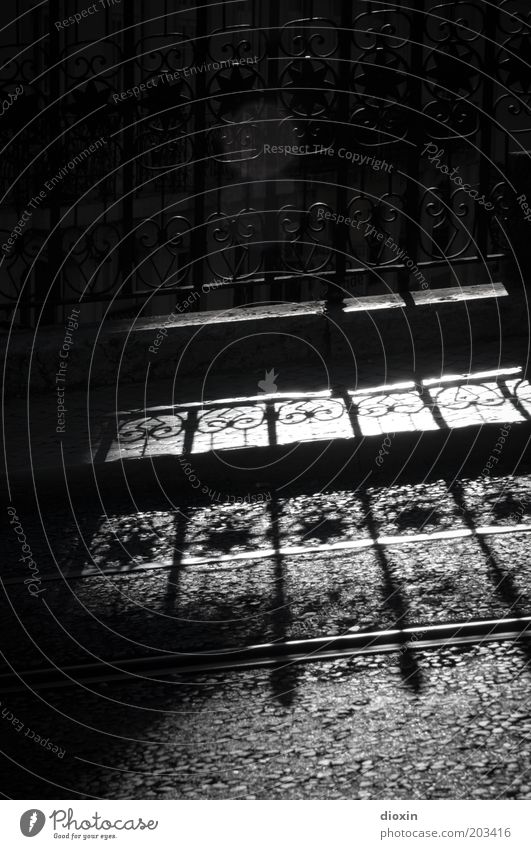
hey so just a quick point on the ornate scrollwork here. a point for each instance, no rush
(164, 51)
(144, 430)
(238, 417)
(308, 88)
(400, 403)
(451, 121)
(302, 249)
(376, 79)
(163, 252)
(319, 409)
(449, 223)
(381, 27)
(373, 217)
(234, 94)
(381, 77)
(463, 397)
(239, 44)
(317, 37)
(235, 249)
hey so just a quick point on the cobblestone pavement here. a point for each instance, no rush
(432, 724)
(117, 534)
(260, 601)
(253, 586)
(349, 729)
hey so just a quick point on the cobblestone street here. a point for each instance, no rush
(346, 729)
(203, 576)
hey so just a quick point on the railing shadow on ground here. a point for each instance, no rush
(277, 602)
(250, 423)
(503, 581)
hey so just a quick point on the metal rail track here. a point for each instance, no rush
(276, 654)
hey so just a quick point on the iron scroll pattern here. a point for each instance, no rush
(185, 188)
(253, 422)
(224, 425)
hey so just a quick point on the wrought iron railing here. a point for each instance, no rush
(185, 188)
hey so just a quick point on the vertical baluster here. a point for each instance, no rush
(272, 250)
(199, 266)
(52, 294)
(128, 251)
(485, 127)
(412, 194)
(335, 289)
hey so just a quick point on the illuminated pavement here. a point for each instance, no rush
(345, 729)
(182, 570)
(208, 575)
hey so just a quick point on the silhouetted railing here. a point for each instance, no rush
(277, 151)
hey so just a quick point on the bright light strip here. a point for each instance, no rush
(479, 375)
